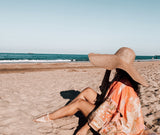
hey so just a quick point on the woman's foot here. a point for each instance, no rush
(43, 119)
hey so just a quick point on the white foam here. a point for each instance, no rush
(35, 61)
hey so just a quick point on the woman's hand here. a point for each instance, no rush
(83, 130)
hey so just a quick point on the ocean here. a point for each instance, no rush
(54, 58)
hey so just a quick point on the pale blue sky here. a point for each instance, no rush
(79, 26)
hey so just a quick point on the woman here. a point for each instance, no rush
(120, 110)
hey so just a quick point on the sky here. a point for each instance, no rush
(79, 26)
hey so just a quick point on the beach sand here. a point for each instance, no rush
(29, 90)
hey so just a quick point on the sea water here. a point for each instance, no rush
(52, 58)
(40, 58)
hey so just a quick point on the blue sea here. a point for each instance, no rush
(53, 58)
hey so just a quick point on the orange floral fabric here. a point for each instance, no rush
(120, 113)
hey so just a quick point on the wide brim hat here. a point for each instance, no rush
(122, 59)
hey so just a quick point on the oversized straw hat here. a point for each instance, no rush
(122, 59)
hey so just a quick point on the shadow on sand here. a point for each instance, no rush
(72, 94)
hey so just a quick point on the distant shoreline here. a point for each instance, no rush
(55, 58)
(57, 61)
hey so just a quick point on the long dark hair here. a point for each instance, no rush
(118, 76)
(123, 74)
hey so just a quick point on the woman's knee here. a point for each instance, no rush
(88, 90)
(80, 101)
(75, 105)
(85, 91)
(84, 106)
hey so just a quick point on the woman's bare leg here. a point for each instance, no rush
(79, 105)
(84, 102)
(87, 94)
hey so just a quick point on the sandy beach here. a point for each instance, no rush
(29, 90)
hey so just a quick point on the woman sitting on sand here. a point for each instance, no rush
(120, 110)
